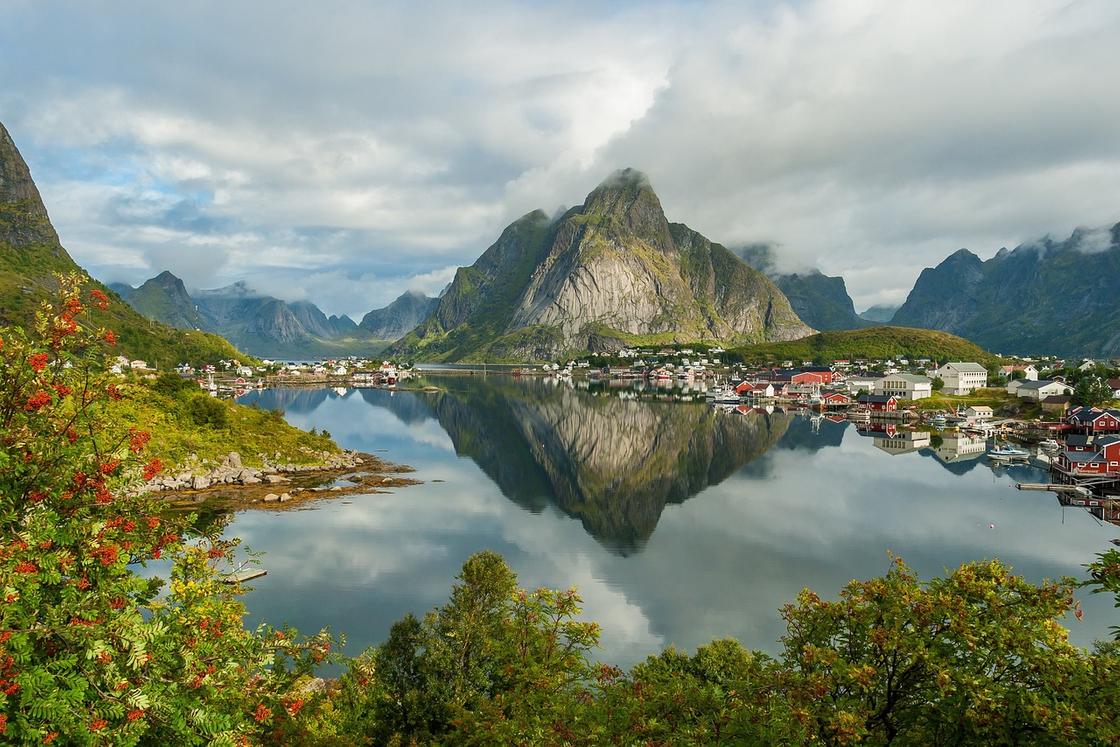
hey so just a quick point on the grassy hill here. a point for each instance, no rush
(30, 254)
(872, 343)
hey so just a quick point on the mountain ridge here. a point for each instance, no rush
(605, 273)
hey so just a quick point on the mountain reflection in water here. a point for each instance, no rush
(692, 523)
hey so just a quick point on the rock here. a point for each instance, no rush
(270, 497)
(275, 479)
(200, 483)
(250, 481)
(285, 497)
(234, 460)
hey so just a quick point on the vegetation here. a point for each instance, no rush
(184, 420)
(873, 343)
(93, 653)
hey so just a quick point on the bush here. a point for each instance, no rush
(171, 384)
(207, 411)
(91, 652)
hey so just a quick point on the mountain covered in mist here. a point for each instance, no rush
(1060, 297)
(30, 255)
(822, 301)
(881, 313)
(609, 272)
(257, 323)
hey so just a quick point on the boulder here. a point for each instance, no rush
(200, 483)
(234, 460)
(285, 497)
(270, 497)
(275, 479)
(250, 481)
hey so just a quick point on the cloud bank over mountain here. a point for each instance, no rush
(344, 153)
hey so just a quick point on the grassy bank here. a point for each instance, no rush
(1002, 403)
(184, 420)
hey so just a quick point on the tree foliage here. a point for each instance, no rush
(93, 648)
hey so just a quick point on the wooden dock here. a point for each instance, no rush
(241, 577)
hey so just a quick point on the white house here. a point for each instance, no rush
(978, 413)
(1014, 384)
(1036, 391)
(963, 378)
(904, 386)
(1030, 371)
(862, 383)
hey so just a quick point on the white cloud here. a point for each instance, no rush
(355, 149)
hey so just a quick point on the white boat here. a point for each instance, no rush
(1049, 444)
(727, 397)
(1007, 453)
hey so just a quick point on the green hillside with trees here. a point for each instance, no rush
(872, 343)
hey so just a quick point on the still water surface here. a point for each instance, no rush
(677, 523)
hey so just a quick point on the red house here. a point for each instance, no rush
(824, 372)
(1094, 420)
(1104, 460)
(879, 402)
(836, 399)
(744, 387)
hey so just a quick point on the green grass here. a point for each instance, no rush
(176, 432)
(870, 344)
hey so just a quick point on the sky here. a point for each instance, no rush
(344, 152)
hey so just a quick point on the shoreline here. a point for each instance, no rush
(297, 485)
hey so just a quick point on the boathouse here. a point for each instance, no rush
(879, 402)
(1101, 460)
(1094, 420)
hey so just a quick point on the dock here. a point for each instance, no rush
(241, 577)
(1054, 488)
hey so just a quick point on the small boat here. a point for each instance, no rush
(1007, 453)
(938, 420)
(727, 397)
(1049, 444)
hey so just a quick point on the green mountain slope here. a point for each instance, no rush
(1060, 297)
(873, 343)
(30, 252)
(608, 272)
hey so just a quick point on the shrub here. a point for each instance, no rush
(206, 410)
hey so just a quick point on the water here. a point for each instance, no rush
(677, 523)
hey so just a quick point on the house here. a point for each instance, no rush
(904, 386)
(1036, 391)
(963, 377)
(903, 442)
(1014, 384)
(1057, 403)
(824, 372)
(1114, 385)
(863, 382)
(978, 413)
(1102, 459)
(879, 402)
(1030, 373)
(1094, 420)
(744, 387)
(835, 399)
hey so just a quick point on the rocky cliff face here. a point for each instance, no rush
(400, 317)
(612, 269)
(881, 313)
(165, 299)
(1060, 297)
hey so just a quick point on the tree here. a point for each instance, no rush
(91, 652)
(1091, 391)
(938, 384)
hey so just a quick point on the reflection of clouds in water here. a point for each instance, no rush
(719, 564)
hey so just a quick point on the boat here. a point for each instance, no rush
(727, 397)
(1049, 444)
(938, 420)
(1007, 453)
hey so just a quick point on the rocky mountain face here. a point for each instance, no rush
(609, 272)
(822, 301)
(30, 254)
(880, 313)
(257, 323)
(400, 317)
(1060, 297)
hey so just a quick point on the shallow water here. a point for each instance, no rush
(677, 523)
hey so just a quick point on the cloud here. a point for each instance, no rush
(353, 149)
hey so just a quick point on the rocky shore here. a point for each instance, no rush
(232, 484)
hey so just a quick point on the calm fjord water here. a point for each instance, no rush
(677, 523)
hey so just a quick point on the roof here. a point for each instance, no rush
(967, 366)
(1077, 439)
(881, 399)
(911, 378)
(980, 408)
(1083, 457)
(1040, 384)
(1057, 399)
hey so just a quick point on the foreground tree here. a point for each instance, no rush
(92, 649)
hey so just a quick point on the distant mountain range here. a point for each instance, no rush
(30, 254)
(269, 327)
(1060, 297)
(610, 272)
(879, 313)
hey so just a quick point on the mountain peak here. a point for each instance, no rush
(627, 198)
